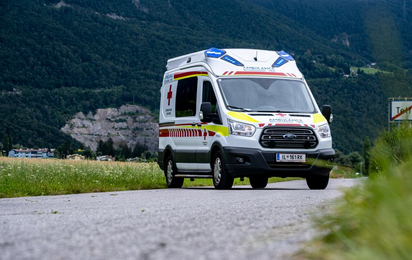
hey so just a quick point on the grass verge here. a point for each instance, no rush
(36, 177)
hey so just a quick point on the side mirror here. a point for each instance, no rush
(327, 113)
(206, 114)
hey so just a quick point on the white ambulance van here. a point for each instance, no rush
(236, 113)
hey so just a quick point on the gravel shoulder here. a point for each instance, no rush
(191, 223)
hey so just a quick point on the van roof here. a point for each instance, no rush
(239, 62)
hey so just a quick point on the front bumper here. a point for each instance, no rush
(258, 162)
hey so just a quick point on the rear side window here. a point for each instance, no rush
(186, 97)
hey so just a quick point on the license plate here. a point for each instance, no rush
(290, 157)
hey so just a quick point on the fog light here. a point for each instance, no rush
(240, 160)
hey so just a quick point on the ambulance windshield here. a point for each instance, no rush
(266, 95)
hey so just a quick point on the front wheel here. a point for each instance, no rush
(317, 182)
(221, 178)
(258, 182)
(170, 170)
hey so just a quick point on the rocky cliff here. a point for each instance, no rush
(129, 123)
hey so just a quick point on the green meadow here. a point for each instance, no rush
(369, 70)
(37, 177)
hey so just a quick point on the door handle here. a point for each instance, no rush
(196, 124)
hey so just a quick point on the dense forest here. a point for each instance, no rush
(61, 57)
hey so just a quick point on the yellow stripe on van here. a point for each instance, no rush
(318, 118)
(218, 129)
(190, 76)
(242, 116)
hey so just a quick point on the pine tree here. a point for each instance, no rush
(110, 147)
(6, 143)
(10, 143)
(366, 154)
(139, 149)
(88, 153)
(100, 148)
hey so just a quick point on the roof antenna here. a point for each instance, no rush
(255, 58)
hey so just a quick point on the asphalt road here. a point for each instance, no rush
(192, 223)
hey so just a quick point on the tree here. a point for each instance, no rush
(366, 154)
(123, 152)
(88, 153)
(341, 158)
(147, 155)
(65, 150)
(6, 143)
(139, 149)
(10, 143)
(110, 147)
(100, 148)
(355, 158)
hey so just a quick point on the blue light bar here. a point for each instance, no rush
(214, 53)
(231, 60)
(285, 55)
(279, 62)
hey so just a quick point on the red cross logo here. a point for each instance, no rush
(169, 95)
(281, 115)
(204, 134)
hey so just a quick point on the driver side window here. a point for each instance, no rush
(208, 95)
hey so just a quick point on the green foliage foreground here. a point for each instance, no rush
(373, 221)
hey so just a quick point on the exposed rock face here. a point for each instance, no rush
(343, 38)
(61, 4)
(129, 123)
(139, 6)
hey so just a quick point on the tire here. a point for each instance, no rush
(170, 170)
(258, 182)
(317, 182)
(221, 178)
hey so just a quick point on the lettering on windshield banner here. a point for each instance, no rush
(286, 120)
(253, 68)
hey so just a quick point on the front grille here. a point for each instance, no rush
(288, 138)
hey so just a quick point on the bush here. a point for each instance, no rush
(372, 221)
(392, 148)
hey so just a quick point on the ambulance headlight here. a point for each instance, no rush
(324, 131)
(237, 128)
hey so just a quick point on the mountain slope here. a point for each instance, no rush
(59, 58)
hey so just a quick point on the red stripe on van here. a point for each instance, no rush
(164, 133)
(190, 74)
(184, 132)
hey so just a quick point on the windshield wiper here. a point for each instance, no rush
(239, 108)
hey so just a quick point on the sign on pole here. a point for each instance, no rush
(400, 109)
